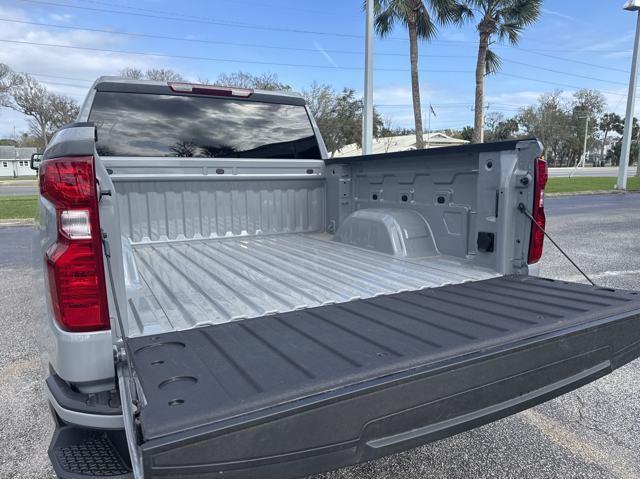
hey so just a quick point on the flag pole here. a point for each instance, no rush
(429, 128)
(367, 117)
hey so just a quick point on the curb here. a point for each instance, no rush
(587, 193)
(18, 222)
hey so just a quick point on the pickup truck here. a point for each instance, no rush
(219, 298)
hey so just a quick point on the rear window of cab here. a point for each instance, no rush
(153, 125)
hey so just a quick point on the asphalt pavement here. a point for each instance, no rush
(18, 187)
(593, 432)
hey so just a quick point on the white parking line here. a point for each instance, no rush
(579, 446)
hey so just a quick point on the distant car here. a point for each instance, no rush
(219, 299)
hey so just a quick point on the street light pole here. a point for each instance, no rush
(367, 118)
(623, 167)
(584, 146)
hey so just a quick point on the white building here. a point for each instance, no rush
(402, 143)
(14, 162)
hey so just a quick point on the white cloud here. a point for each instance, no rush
(324, 53)
(612, 44)
(554, 13)
(61, 17)
(74, 65)
(516, 98)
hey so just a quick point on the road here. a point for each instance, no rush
(588, 171)
(18, 187)
(590, 433)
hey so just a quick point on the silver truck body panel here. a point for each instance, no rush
(208, 240)
(183, 284)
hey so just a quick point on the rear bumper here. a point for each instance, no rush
(401, 411)
(88, 411)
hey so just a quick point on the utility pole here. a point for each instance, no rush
(367, 118)
(485, 108)
(623, 167)
(583, 159)
(584, 146)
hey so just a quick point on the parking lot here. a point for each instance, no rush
(590, 433)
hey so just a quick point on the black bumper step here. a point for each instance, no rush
(80, 453)
(297, 393)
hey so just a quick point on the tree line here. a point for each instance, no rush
(45, 111)
(338, 113)
(559, 120)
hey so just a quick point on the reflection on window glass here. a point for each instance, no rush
(136, 124)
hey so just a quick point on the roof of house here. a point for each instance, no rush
(402, 143)
(13, 153)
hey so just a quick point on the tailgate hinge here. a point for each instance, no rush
(119, 353)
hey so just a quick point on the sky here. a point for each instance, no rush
(576, 44)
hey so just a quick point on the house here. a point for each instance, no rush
(15, 162)
(402, 143)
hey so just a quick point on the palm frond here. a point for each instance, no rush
(452, 12)
(426, 27)
(384, 21)
(521, 12)
(510, 31)
(462, 13)
(492, 63)
(387, 13)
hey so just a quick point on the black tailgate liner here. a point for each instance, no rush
(299, 392)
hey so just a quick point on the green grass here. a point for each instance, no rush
(583, 183)
(18, 207)
(21, 207)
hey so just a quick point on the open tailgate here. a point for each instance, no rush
(292, 394)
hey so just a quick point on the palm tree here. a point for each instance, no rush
(421, 18)
(506, 19)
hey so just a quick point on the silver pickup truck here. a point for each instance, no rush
(218, 298)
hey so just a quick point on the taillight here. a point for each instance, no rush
(209, 89)
(541, 174)
(74, 262)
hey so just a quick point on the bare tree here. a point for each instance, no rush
(240, 79)
(46, 111)
(7, 79)
(132, 73)
(157, 74)
(387, 138)
(163, 74)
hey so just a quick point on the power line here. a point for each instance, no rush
(235, 2)
(199, 20)
(214, 21)
(295, 65)
(228, 60)
(48, 82)
(515, 62)
(217, 42)
(569, 60)
(252, 45)
(56, 76)
(565, 85)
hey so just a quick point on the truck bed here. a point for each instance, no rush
(289, 394)
(196, 282)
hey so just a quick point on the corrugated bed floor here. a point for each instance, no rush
(215, 281)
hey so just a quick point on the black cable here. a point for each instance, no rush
(523, 209)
